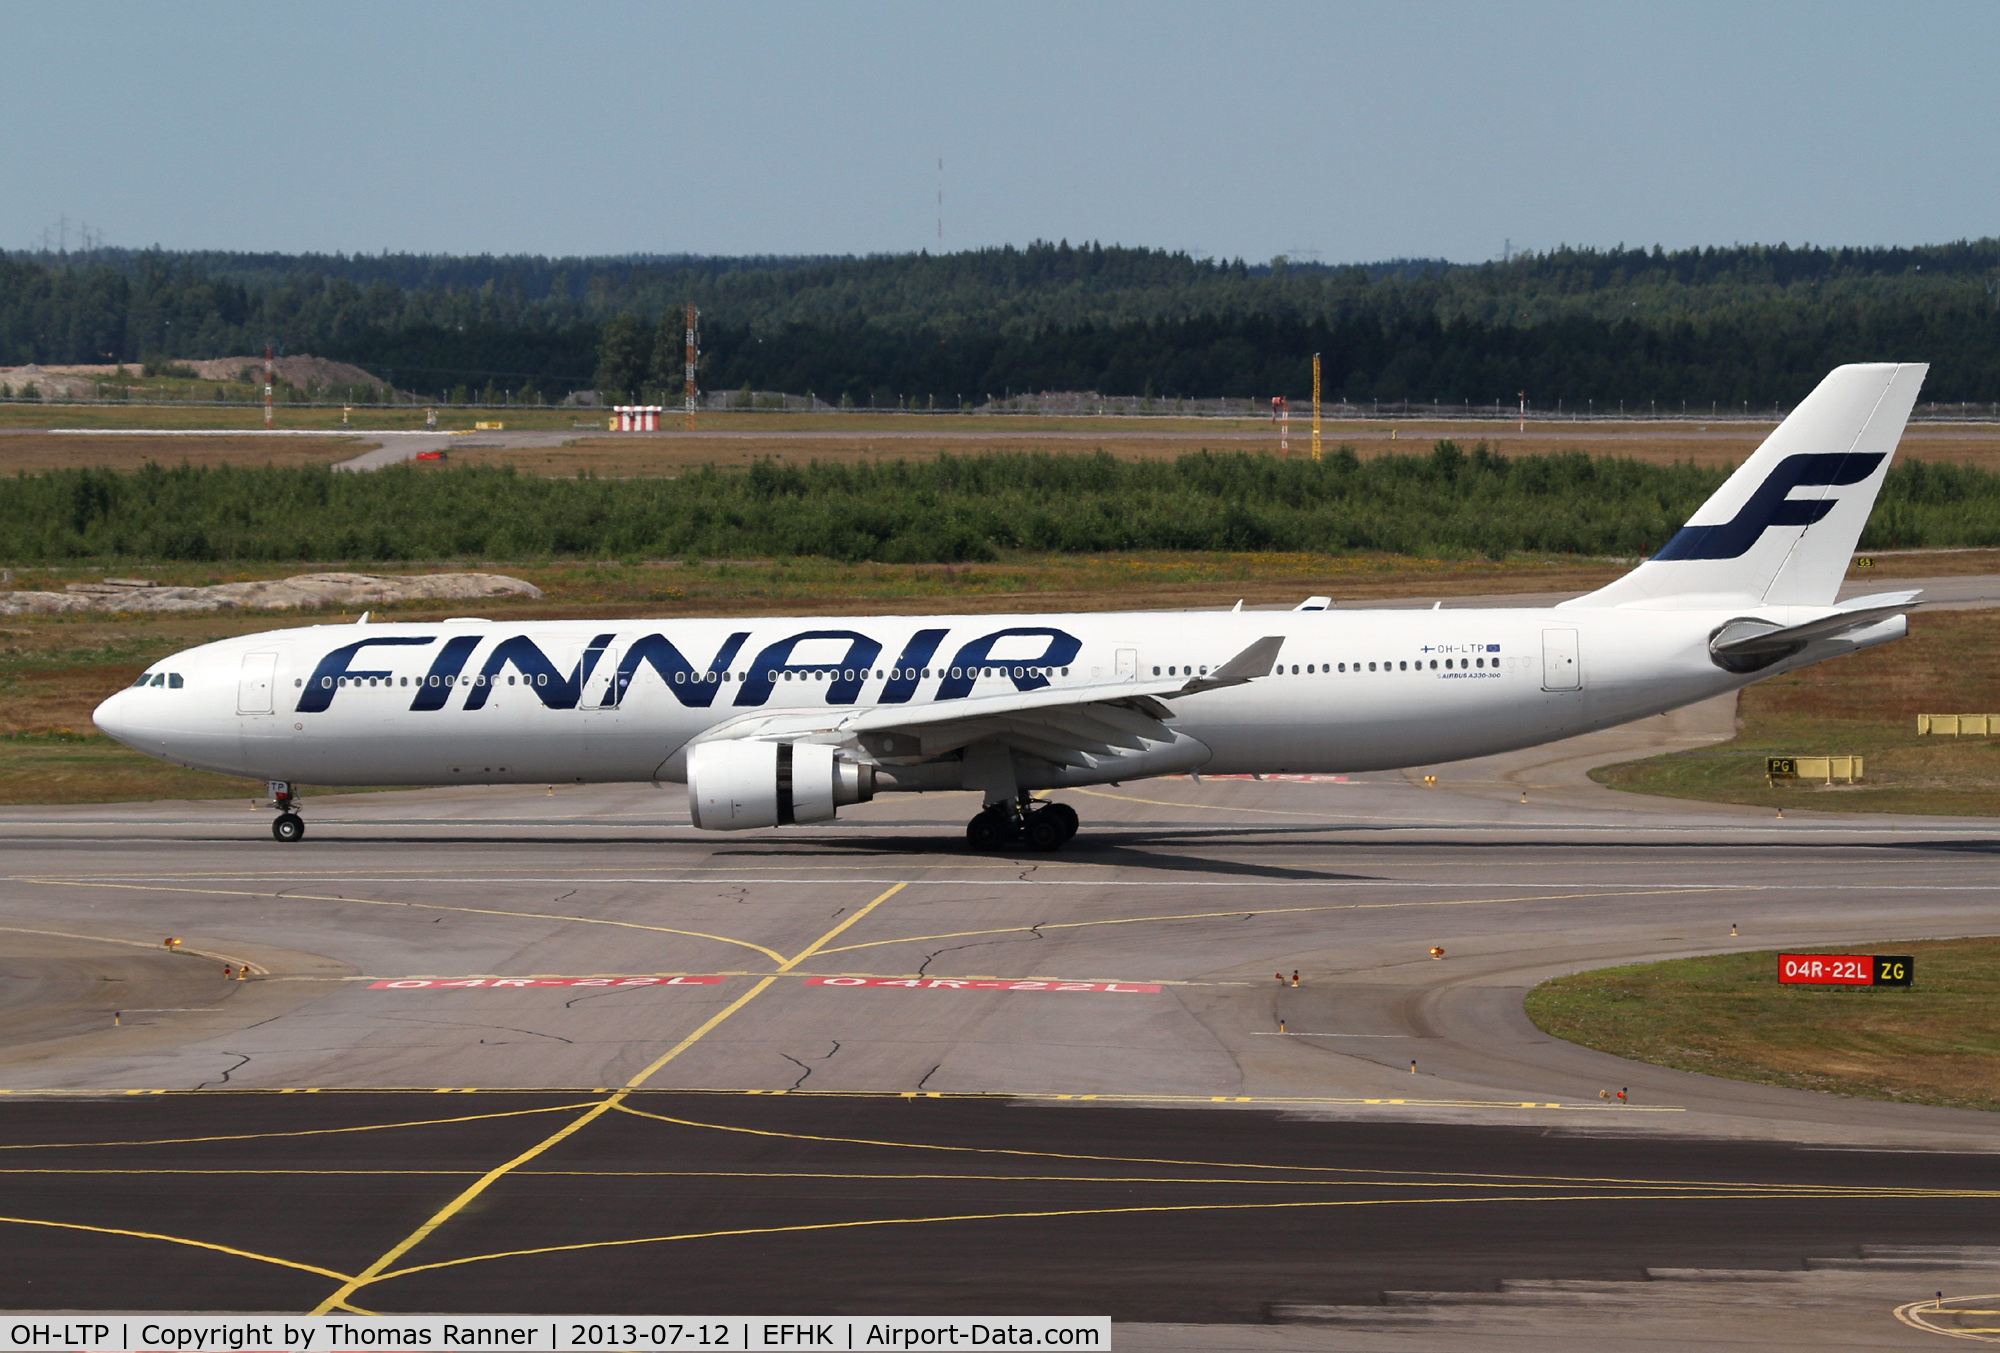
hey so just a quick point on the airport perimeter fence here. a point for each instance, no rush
(1076, 405)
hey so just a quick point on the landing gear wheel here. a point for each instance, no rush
(1064, 814)
(288, 826)
(990, 830)
(1045, 829)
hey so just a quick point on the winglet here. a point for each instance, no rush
(1251, 663)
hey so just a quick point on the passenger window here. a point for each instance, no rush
(1479, 662)
(1371, 666)
(1402, 667)
(1434, 664)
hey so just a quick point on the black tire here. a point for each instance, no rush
(988, 831)
(1067, 816)
(288, 827)
(1045, 830)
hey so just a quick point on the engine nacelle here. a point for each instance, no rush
(737, 785)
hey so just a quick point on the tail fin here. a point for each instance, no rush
(1780, 531)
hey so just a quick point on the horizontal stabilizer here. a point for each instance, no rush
(1747, 645)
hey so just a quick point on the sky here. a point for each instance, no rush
(1340, 133)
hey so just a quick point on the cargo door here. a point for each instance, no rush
(254, 683)
(1561, 669)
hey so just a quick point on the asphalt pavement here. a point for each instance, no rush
(853, 1067)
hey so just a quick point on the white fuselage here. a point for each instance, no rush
(476, 702)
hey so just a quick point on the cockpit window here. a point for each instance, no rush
(160, 679)
(145, 678)
(173, 681)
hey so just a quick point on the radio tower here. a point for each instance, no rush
(267, 385)
(693, 356)
(940, 204)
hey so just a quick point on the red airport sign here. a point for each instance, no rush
(1847, 970)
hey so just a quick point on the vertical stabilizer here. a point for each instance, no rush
(1781, 530)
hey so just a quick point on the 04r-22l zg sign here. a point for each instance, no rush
(1847, 970)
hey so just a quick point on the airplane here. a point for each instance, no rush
(780, 721)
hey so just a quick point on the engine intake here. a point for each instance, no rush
(733, 786)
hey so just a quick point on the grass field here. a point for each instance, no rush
(1937, 1042)
(733, 440)
(1864, 705)
(732, 446)
(33, 452)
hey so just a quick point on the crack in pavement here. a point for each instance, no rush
(805, 1070)
(923, 969)
(243, 1061)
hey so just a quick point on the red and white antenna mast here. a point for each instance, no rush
(268, 413)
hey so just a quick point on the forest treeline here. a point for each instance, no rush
(1756, 323)
(1451, 502)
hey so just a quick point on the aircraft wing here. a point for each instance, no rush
(1069, 726)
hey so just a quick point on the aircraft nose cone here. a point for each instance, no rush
(116, 718)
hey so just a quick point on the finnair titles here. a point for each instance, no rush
(772, 722)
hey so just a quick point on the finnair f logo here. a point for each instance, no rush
(1772, 505)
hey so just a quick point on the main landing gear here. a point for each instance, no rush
(287, 825)
(1042, 826)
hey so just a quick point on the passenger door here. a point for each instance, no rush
(254, 683)
(1562, 669)
(604, 689)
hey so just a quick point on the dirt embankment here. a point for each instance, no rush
(303, 370)
(284, 594)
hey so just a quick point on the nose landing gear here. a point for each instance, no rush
(288, 825)
(1042, 826)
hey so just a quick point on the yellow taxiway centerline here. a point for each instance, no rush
(376, 1270)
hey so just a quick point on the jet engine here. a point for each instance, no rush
(734, 785)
